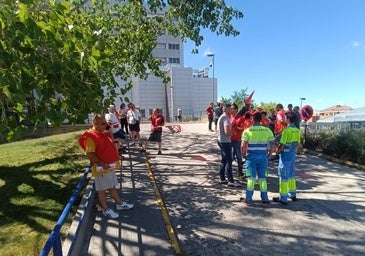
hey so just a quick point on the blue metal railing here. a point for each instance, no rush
(54, 239)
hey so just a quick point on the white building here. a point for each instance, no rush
(190, 90)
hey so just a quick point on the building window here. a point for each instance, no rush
(163, 61)
(174, 46)
(160, 46)
(174, 60)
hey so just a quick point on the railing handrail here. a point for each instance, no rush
(54, 239)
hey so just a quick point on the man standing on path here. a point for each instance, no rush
(104, 158)
(289, 141)
(224, 143)
(237, 130)
(179, 115)
(210, 114)
(218, 111)
(157, 122)
(256, 141)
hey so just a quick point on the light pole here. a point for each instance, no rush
(301, 101)
(212, 64)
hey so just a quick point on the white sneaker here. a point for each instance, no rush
(233, 184)
(110, 214)
(223, 181)
(124, 206)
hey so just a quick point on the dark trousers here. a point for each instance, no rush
(226, 162)
(210, 123)
(124, 125)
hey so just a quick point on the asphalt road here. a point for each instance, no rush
(209, 219)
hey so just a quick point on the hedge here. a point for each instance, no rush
(346, 145)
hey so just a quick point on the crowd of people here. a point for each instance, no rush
(253, 137)
(247, 135)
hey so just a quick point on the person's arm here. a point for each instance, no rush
(283, 141)
(272, 148)
(96, 160)
(91, 155)
(244, 148)
(227, 130)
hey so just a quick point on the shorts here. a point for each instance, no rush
(155, 136)
(134, 127)
(119, 134)
(106, 181)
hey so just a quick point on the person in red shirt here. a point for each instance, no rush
(280, 122)
(248, 122)
(280, 125)
(265, 121)
(157, 122)
(237, 130)
(100, 150)
(210, 114)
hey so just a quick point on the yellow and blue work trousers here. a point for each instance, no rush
(287, 182)
(257, 165)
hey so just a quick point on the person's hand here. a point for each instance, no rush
(104, 165)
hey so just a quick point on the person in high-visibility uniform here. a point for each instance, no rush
(289, 141)
(257, 145)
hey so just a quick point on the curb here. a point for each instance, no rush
(77, 233)
(335, 160)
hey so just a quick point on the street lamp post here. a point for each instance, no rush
(212, 55)
(301, 101)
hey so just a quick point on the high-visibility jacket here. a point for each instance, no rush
(290, 138)
(104, 149)
(258, 139)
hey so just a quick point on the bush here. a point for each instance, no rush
(346, 145)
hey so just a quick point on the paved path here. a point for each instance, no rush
(208, 219)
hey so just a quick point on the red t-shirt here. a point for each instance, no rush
(265, 121)
(247, 123)
(237, 124)
(280, 122)
(157, 121)
(210, 111)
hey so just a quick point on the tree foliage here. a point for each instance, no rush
(58, 59)
(267, 106)
(238, 97)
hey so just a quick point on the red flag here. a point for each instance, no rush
(175, 128)
(249, 98)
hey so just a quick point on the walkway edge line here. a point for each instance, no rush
(170, 230)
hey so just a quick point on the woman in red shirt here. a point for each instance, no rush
(157, 122)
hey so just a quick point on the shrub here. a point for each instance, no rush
(346, 145)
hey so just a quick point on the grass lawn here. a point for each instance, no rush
(37, 177)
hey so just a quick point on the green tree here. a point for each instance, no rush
(267, 106)
(239, 97)
(59, 59)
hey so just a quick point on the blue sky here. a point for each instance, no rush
(290, 49)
